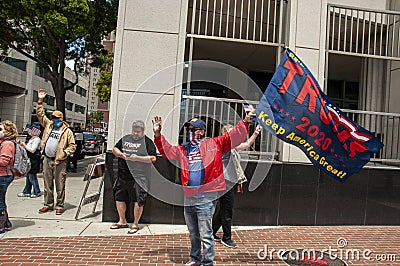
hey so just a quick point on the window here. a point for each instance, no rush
(69, 105)
(35, 96)
(81, 91)
(67, 83)
(344, 93)
(49, 100)
(79, 109)
(39, 71)
(87, 135)
(18, 63)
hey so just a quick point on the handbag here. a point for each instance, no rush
(239, 170)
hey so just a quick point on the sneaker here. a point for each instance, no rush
(229, 243)
(22, 194)
(217, 238)
(36, 195)
(192, 263)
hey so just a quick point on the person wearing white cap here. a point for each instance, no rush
(57, 144)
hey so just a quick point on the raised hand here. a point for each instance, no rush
(157, 125)
(42, 93)
(250, 114)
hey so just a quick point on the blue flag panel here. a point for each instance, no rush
(295, 109)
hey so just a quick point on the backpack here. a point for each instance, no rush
(22, 164)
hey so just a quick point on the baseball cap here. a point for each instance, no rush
(197, 123)
(57, 114)
(138, 123)
(35, 129)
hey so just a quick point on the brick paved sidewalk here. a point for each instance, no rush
(172, 249)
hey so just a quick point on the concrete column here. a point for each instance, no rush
(307, 39)
(394, 106)
(30, 72)
(13, 109)
(150, 37)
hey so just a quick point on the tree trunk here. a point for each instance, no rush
(59, 89)
(60, 98)
(56, 77)
(59, 93)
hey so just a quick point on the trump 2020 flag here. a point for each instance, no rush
(295, 109)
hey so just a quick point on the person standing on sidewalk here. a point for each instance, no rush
(78, 135)
(33, 151)
(135, 154)
(224, 214)
(200, 161)
(8, 134)
(57, 144)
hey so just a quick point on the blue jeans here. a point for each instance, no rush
(199, 222)
(5, 181)
(31, 181)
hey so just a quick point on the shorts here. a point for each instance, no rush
(129, 191)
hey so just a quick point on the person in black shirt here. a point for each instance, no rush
(135, 154)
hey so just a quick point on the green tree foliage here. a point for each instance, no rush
(104, 86)
(104, 61)
(95, 117)
(53, 31)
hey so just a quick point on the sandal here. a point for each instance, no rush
(133, 229)
(119, 226)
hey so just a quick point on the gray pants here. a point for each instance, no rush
(54, 173)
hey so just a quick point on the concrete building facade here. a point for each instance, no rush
(351, 46)
(20, 80)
